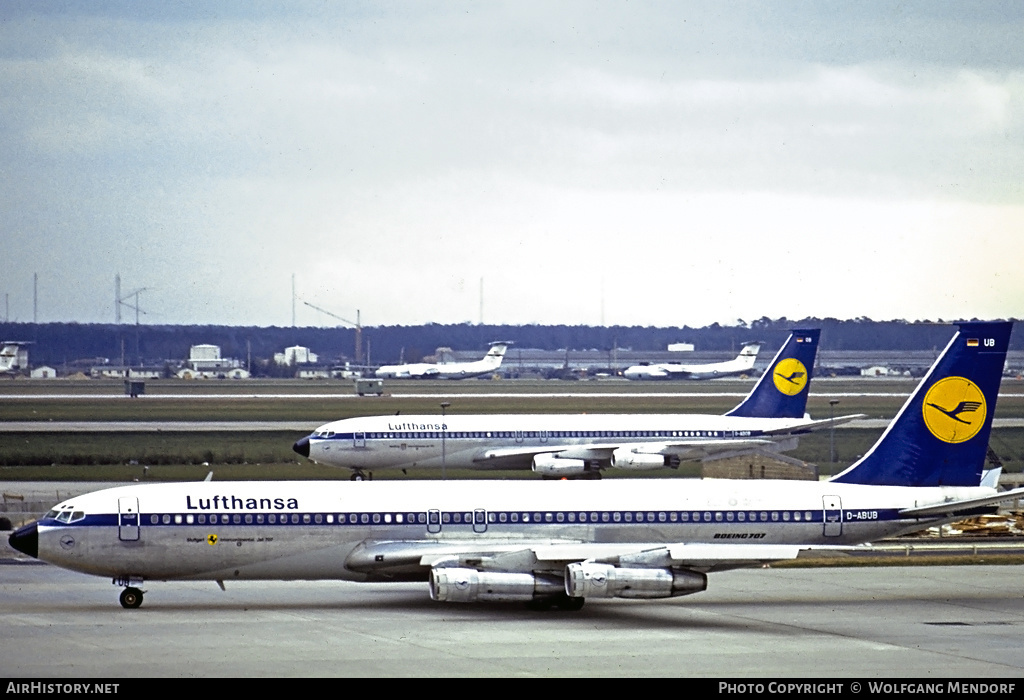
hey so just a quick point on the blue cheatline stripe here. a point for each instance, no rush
(506, 518)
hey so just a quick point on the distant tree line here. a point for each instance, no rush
(61, 344)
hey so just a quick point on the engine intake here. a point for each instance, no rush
(461, 585)
(591, 580)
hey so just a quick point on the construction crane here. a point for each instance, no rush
(358, 326)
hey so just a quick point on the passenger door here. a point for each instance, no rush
(128, 518)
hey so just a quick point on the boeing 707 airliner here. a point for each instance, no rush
(579, 446)
(546, 542)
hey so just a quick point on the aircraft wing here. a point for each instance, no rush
(397, 559)
(512, 457)
(963, 506)
(811, 425)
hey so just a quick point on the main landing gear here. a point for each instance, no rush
(131, 597)
(360, 475)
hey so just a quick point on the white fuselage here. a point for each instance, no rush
(446, 370)
(402, 442)
(349, 530)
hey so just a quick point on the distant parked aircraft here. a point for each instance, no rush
(741, 364)
(13, 358)
(449, 370)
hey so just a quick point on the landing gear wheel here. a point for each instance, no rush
(358, 476)
(131, 598)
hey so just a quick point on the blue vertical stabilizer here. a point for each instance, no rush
(940, 436)
(782, 390)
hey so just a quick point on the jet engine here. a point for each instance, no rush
(461, 585)
(593, 580)
(625, 458)
(550, 465)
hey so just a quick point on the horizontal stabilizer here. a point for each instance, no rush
(954, 507)
(815, 424)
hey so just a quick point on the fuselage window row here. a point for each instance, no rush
(467, 518)
(531, 434)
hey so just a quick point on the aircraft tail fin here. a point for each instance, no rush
(940, 436)
(496, 354)
(781, 392)
(750, 349)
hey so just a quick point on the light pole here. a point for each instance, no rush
(444, 451)
(832, 430)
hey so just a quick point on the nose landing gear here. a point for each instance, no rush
(131, 598)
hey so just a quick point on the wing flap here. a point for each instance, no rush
(395, 559)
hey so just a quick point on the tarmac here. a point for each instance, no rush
(960, 622)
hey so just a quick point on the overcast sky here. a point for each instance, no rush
(635, 163)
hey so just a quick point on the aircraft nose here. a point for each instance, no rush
(26, 540)
(302, 446)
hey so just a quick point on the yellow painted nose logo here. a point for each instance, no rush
(211, 539)
(954, 409)
(790, 376)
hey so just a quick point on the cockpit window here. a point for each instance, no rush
(64, 516)
(76, 516)
(51, 514)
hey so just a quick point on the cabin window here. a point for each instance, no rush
(785, 516)
(707, 517)
(167, 519)
(617, 516)
(318, 518)
(376, 518)
(807, 515)
(237, 519)
(629, 517)
(775, 517)
(189, 518)
(729, 516)
(796, 516)
(248, 518)
(685, 517)
(515, 517)
(718, 517)
(604, 517)
(764, 517)
(560, 517)
(271, 518)
(673, 516)
(259, 518)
